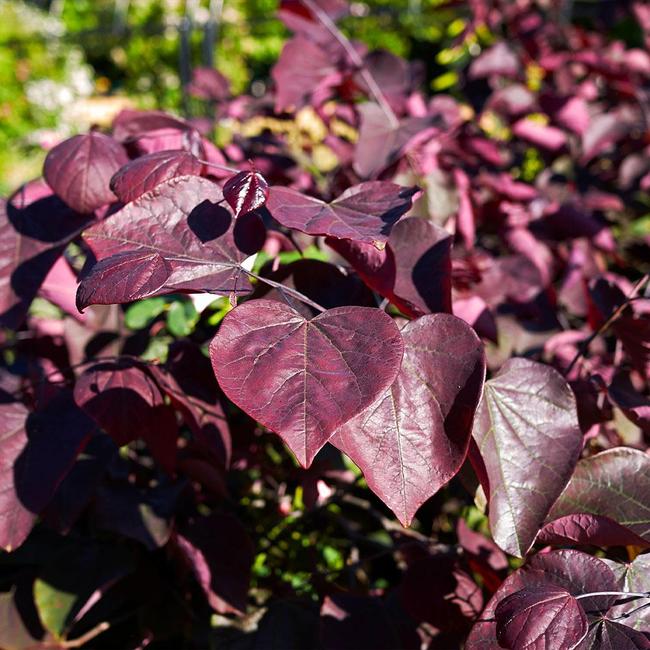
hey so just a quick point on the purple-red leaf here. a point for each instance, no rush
(413, 271)
(79, 170)
(527, 432)
(35, 227)
(149, 171)
(414, 438)
(363, 213)
(614, 483)
(175, 238)
(220, 554)
(610, 635)
(540, 619)
(380, 142)
(498, 60)
(246, 191)
(304, 378)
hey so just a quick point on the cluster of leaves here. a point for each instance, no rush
(452, 315)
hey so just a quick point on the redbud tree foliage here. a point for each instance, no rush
(253, 400)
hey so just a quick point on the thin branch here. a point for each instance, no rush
(288, 290)
(84, 638)
(224, 168)
(614, 316)
(345, 43)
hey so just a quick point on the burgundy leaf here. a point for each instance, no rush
(540, 619)
(380, 142)
(125, 401)
(149, 171)
(305, 378)
(303, 69)
(15, 519)
(591, 530)
(130, 123)
(614, 483)
(246, 191)
(635, 578)
(175, 238)
(605, 634)
(363, 213)
(527, 432)
(79, 170)
(35, 228)
(574, 571)
(208, 83)
(220, 554)
(547, 137)
(414, 270)
(414, 438)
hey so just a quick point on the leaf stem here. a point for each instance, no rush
(224, 168)
(345, 43)
(614, 316)
(628, 594)
(288, 290)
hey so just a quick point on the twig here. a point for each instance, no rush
(614, 316)
(288, 290)
(345, 43)
(84, 638)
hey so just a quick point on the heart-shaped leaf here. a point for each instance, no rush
(543, 618)
(176, 237)
(364, 213)
(527, 432)
(614, 483)
(79, 170)
(610, 635)
(413, 271)
(246, 191)
(414, 438)
(304, 378)
(149, 171)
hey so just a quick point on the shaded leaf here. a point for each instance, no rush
(305, 378)
(79, 170)
(527, 432)
(610, 635)
(220, 554)
(413, 271)
(414, 438)
(363, 213)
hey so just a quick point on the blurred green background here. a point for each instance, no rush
(66, 64)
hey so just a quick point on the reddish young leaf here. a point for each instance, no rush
(527, 432)
(149, 171)
(497, 60)
(131, 123)
(246, 191)
(220, 554)
(544, 619)
(210, 84)
(79, 170)
(614, 483)
(305, 378)
(363, 213)
(413, 439)
(413, 271)
(175, 238)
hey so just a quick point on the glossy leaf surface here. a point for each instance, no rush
(305, 378)
(527, 432)
(246, 191)
(149, 171)
(414, 438)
